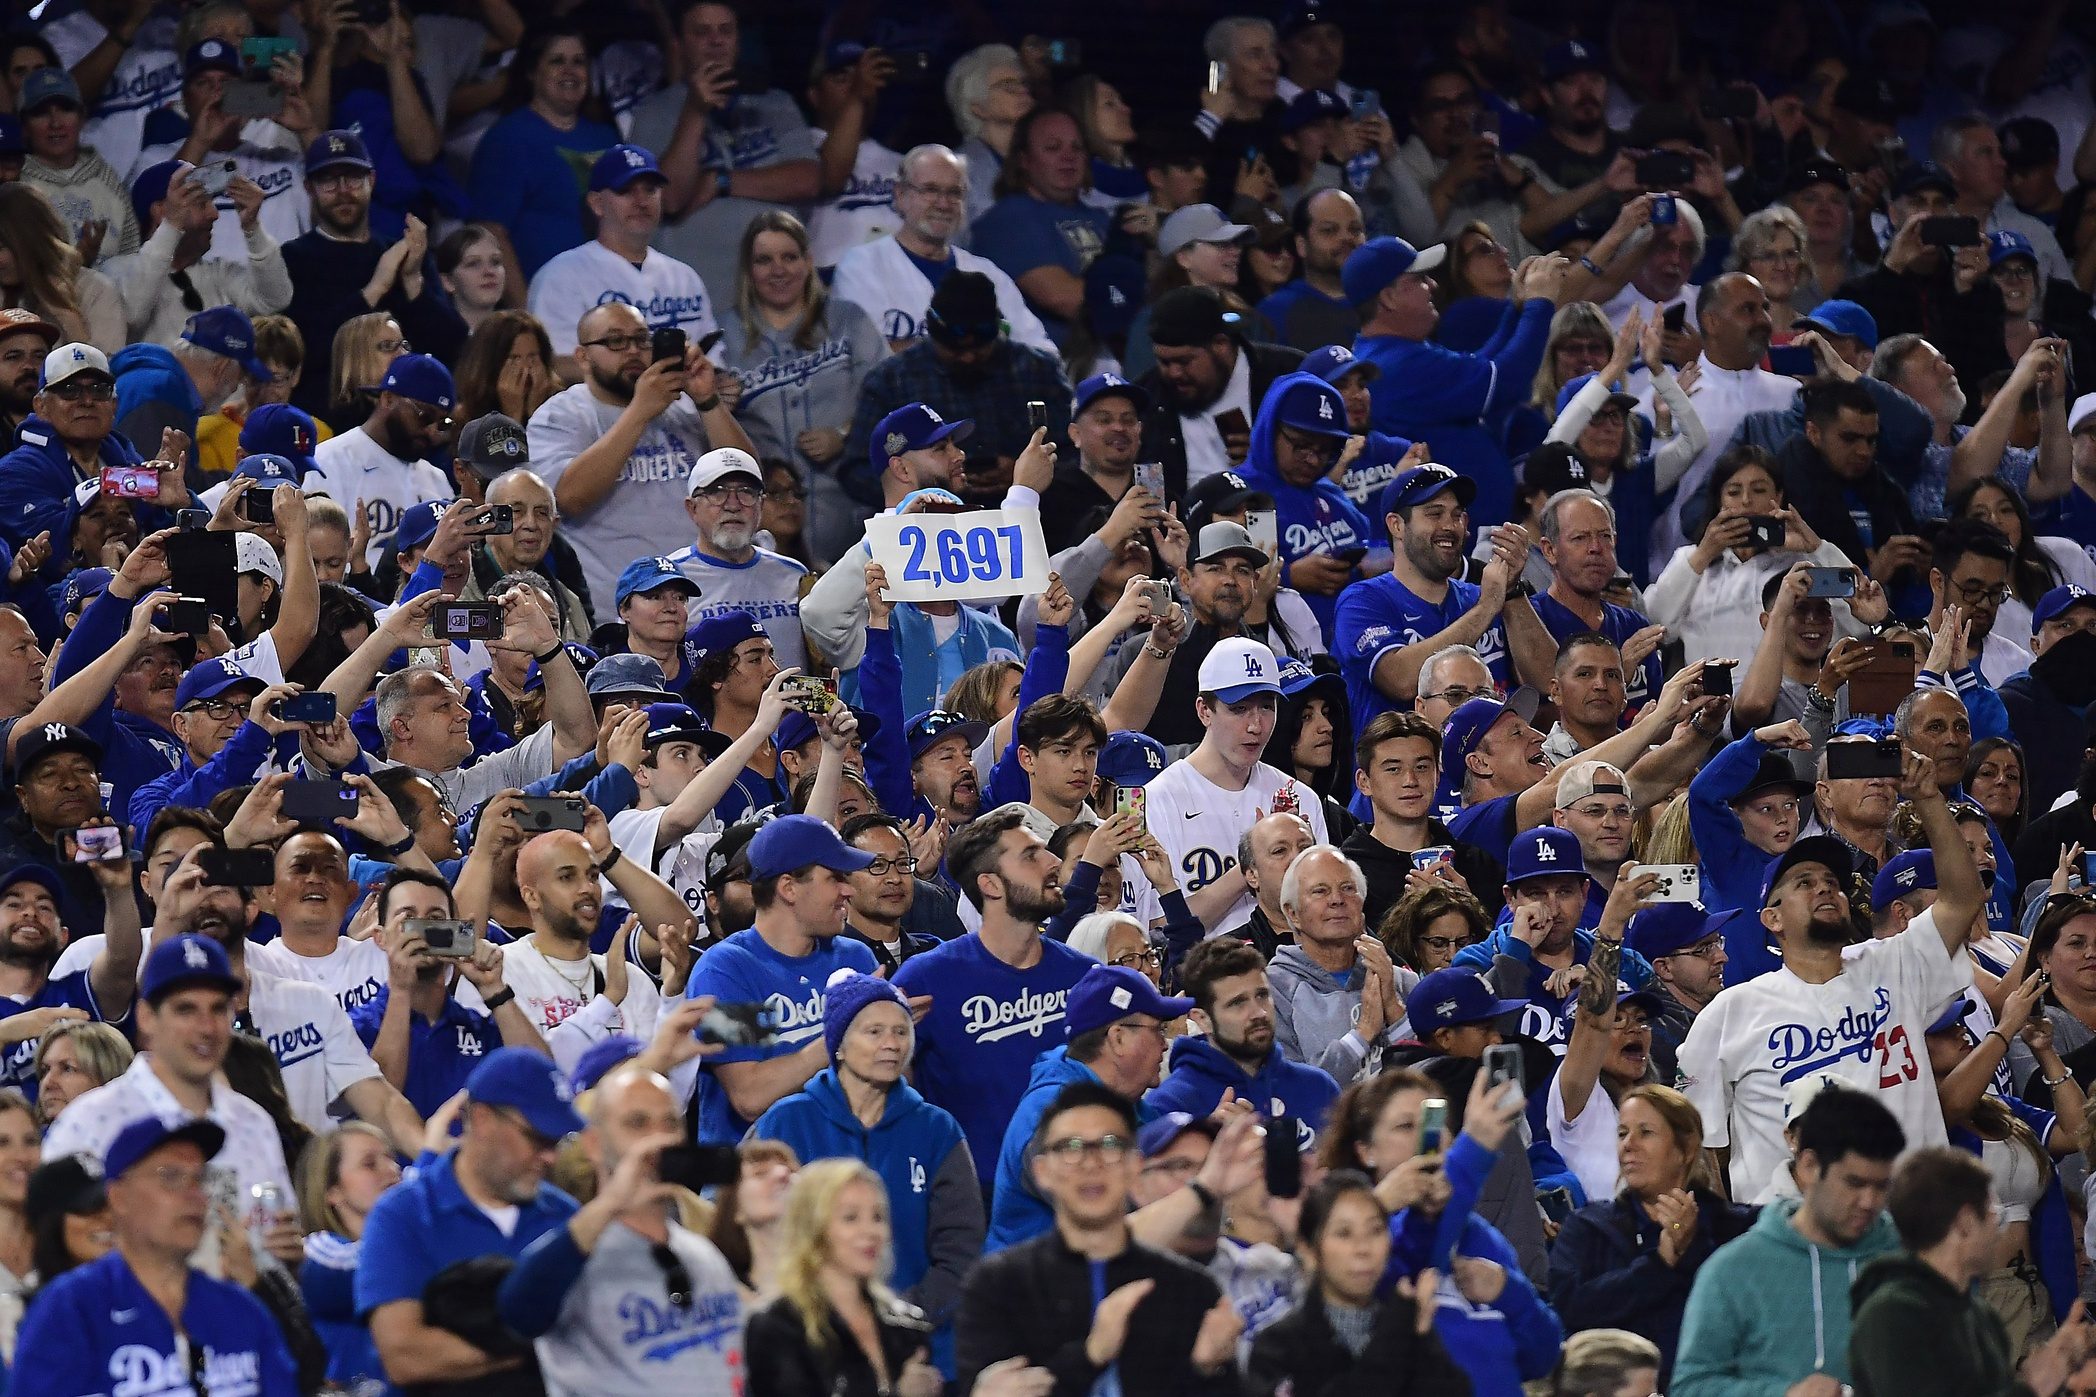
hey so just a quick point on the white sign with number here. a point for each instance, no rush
(984, 554)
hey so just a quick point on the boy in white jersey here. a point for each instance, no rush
(1200, 805)
(1861, 1018)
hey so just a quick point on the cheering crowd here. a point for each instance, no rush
(1489, 786)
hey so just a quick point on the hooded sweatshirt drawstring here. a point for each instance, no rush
(1819, 1315)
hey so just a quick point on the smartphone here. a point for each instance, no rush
(1877, 760)
(1665, 169)
(1149, 475)
(202, 563)
(371, 13)
(1830, 582)
(812, 694)
(1887, 676)
(1215, 78)
(1663, 210)
(237, 868)
(1065, 53)
(316, 707)
(1717, 678)
(444, 936)
(258, 505)
(1366, 102)
(1765, 531)
(1286, 802)
(1433, 1125)
(1130, 800)
(187, 616)
(192, 518)
(1674, 318)
(667, 343)
(131, 482)
(699, 1167)
(215, 175)
(1950, 230)
(1264, 525)
(496, 519)
(1556, 1204)
(1158, 593)
(1232, 423)
(1284, 1158)
(1792, 360)
(1678, 882)
(913, 65)
(318, 802)
(1036, 416)
(740, 1025)
(466, 620)
(252, 97)
(1502, 1064)
(96, 843)
(1432, 854)
(539, 814)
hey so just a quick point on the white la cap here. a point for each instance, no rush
(1236, 669)
(251, 554)
(69, 359)
(2083, 408)
(720, 463)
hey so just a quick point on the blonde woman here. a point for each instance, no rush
(363, 347)
(836, 1328)
(341, 1176)
(72, 1059)
(40, 270)
(1770, 246)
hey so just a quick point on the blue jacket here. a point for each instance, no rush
(879, 679)
(1314, 518)
(328, 1280)
(150, 374)
(1201, 1072)
(189, 784)
(1732, 868)
(929, 668)
(1016, 1211)
(36, 486)
(1635, 970)
(1047, 666)
(135, 750)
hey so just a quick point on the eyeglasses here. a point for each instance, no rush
(1135, 960)
(429, 414)
(1980, 591)
(1304, 444)
(675, 1277)
(218, 710)
(1603, 810)
(881, 868)
(1156, 1028)
(941, 193)
(619, 344)
(1703, 950)
(176, 1179)
(1440, 943)
(1458, 696)
(748, 494)
(786, 494)
(399, 346)
(73, 391)
(1108, 1149)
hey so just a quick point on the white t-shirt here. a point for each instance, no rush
(1588, 1144)
(315, 1046)
(667, 293)
(1865, 1027)
(1205, 453)
(354, 972)
(147, 76)
(352, 467)
(880, 278)
(550, 991)
(860, 212)
(1199, 823)
(768, 586)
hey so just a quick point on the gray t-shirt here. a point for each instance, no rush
(619, 1335)
(644, 513)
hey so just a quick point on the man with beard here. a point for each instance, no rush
(1397, 766)
(1858, 1013)
(384, 461)
(25, 338)
(891, 278)
(618, 446)
(998, 994)
(942, 765)
(1236, 1049)
(1263, 854)
(1580, 170)
(723, 499)
(1745, 807)
(1958, 454)
(1208, 378)
(1465, 173)
(1832, 477)
(800, 882)
(340, 271)
(31, 935)
(1337, 996)
(1579, 543)
(1385, 629)
(2046, 703)
(1221, 573)
(1312, 311)
(1106, 427)
(560, 876)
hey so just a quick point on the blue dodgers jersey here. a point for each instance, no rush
(1619, 624)
(988, 1022)
(744, 969)
(1381, 615)
(18, 1060)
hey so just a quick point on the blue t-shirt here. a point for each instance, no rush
(744, 969)
(1489, 825)
(1380, 615)
(426, 1223)
(441, 1055)
(934, 272)
(1020, 233)
(528, 175)
(74, 991)
(988, 1022)
(1618, 623)
(2072, 516)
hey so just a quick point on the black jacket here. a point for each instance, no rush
(1966, 328)
(1299, 1354)
(2037, 854)
(327, 291)
(2044, 723)
(782, 1363)
(1036, 1300)
(1387, 869)
(1163, 438)
(1815, 492)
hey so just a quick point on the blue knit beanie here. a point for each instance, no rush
(849, 993)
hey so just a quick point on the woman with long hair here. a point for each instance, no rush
(784, 517)
(364, 346)
(1580, 342)
(1340, 1340)
(1196, 246)
(40, 270)
(1108, 127)
(802, 356)
(2043, 561)
(1627, 1259)
(473, 270)
(341, 1177)
(749, 1217)
(1472, 288)
(987, 692)
(836, 1328)
(506, 367)
(545, 134)
(1310, 741)
(1994, 779)
(1269, 261)
(1770, 244)
(1427, 926)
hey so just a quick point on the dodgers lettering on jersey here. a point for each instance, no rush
(138, 1371)
(660, 1332)
(1380, 615)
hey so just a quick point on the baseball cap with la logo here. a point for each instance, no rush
(1309, 404)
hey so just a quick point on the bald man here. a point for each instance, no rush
(532, 546)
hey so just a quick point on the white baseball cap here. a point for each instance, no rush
(719, 463)
(1237, 669)
(69, 359)
(2084, 407)
(251, 554)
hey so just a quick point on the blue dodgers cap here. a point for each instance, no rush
(1113, 294)
(723, 632)
(797, 729)
(1335, 361)
(1109, 385)
(1312, 105)
(281, 430)
(912, 427)
(1566, 394)
(83, 587)
(1156, 1137)
(1309, 404)
(794, 842)
(2004, 243)
(1238, 668)
(1466, 728)
(211, 56)
(1561, 61)
(1132, 759)
(1953, 1016)
(528, 1083)
(46, 85)
(620, 166)
(151, 187)
(148, 1135)
(928, 729)
(1379, 261)
(1544, 852)
(226, 330)
(680, 722)
(1422, 483)
(2056, 603)
(1911, 872)
(1106, 994)
(333, 148)
(1451, 998)
(849, 994)
(421, 378)
(1841, 318)
(1668, 928)
(39, 874)
(185, 962)
(268, 469)
(418, 524)
(644, 575)
(627, 675)
(212, 678)
(599, 1058)
(1297, 677)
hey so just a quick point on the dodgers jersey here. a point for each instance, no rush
(861, 211)
(351, 467)
(1380, 615)
(1866, 1028)
(987, 1024)
(668, 294)
(355, 972)
(1199, 823)
(319, 1053)
(768, 586)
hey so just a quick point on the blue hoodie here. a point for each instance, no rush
(1016, 1211)
(1201, 1072)
(36, 489)
(1315, 518)
(148, 374)
(135, 750)
(1733, 869)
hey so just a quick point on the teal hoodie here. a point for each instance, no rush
(1770, 1308)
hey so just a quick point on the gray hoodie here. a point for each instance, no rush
(1315, 1010)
